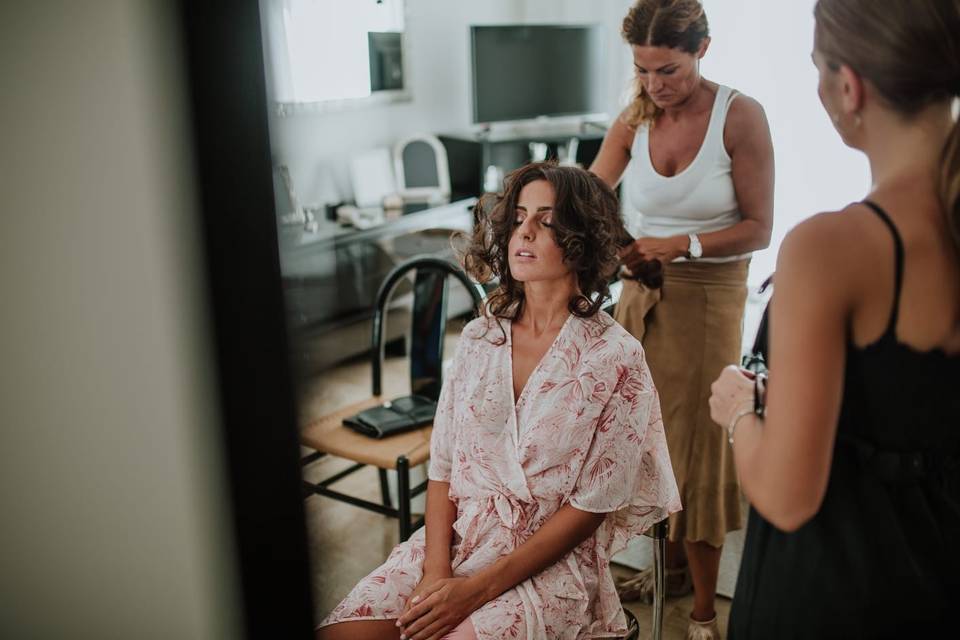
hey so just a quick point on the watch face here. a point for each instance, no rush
(696, 250)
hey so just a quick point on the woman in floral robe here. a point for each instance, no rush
(548, 452)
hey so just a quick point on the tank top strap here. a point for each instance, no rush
(718, 115)
(718, 121)
(725, 96)
(898, 272)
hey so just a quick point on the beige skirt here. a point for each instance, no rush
(691, 329)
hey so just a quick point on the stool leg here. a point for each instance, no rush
(659, 583)
(384, 487)
(403, 496)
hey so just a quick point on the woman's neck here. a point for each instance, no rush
(908, 150)
(546, 305)
(699, 99)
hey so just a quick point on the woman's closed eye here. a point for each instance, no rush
(544, 221)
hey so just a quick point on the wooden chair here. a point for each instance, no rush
(328, 436)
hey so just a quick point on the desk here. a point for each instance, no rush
(331, 278)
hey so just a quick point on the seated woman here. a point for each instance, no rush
(548, 450)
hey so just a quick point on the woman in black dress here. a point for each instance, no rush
(853, 473)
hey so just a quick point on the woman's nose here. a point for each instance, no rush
(526, 230)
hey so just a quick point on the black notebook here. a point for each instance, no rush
(396, 416)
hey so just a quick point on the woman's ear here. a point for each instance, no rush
(702, 51)
(851, 90)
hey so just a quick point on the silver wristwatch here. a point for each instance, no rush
(695, 251)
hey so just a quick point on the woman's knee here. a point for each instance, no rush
(359, 630)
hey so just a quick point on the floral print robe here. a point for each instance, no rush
(585, 431)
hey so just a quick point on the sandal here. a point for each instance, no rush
(641, 585)
(706, 630)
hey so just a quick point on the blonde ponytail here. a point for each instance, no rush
(641, 111)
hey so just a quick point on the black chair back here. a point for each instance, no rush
(428, 324)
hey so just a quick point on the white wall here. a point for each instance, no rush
(113, 507)
(316, 146)
(763, 49)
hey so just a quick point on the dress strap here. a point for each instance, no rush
(898, 252)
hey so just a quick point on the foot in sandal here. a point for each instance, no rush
(640, 586)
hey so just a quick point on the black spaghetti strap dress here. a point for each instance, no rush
(881, 559)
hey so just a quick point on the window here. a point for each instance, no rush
(333, 50)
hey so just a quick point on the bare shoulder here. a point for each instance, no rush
(830, 248)
(621, 131)
(622, 119)
(746, 121)
(745, 110)
(823, 234)
(832, 229)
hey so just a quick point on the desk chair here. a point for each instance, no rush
(659, 534)
(328, 436)
(422, 170)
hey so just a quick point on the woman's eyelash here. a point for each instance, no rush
(517, 221)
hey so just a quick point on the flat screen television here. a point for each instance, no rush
(522, 72)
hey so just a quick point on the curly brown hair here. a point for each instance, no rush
(587, 226)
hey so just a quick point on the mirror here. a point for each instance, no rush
(331, 164)
(364, 37)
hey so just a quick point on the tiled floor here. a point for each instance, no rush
(346, 543)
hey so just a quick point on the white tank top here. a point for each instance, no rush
(699, 199)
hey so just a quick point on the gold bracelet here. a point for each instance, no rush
(732, 427)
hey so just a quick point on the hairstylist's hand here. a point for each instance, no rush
(731, 393)
(440, 608)
(641, 250)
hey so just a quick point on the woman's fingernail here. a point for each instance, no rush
(398, 623)
(415, 598)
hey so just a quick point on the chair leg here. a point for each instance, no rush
(384, 487)
(403, 496)
(659, 582)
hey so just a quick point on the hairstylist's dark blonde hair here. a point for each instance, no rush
(676, 24)
(910, 51)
